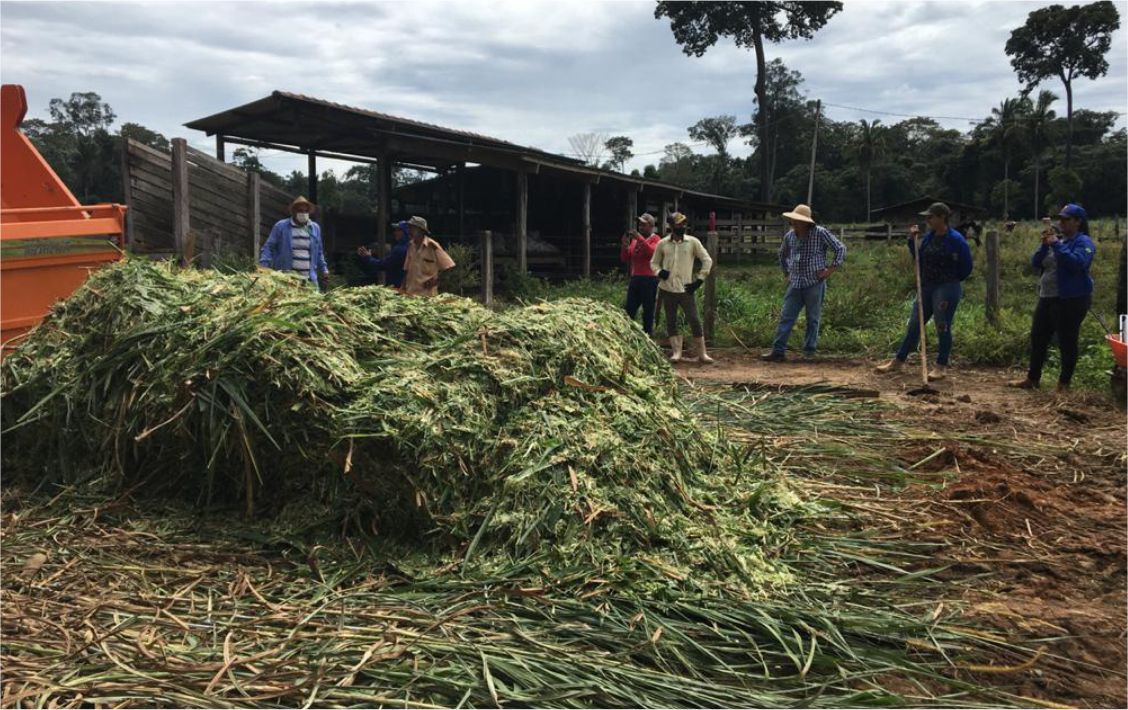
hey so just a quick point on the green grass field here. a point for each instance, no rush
(868, 303)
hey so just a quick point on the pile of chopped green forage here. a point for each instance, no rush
(549, 433)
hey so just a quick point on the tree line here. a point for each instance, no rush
(1012, 163)
(1022, 161)
(1025, 158)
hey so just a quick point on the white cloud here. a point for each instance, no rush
(529, 72)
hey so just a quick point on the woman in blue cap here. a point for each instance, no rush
(1065, 292)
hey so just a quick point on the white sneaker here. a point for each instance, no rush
(893, 365)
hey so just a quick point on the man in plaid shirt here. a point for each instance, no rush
(802, 256)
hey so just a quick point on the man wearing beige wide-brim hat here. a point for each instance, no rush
(295, 244)
(802, 256)
(425, 260)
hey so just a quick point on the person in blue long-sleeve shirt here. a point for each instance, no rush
(1065, 292)
(392, 264)
(945, 261)
(295, 245)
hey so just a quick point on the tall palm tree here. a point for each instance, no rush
(1006, 131)
(869, 147)
(1040, 130)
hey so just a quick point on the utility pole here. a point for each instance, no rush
(814, 144)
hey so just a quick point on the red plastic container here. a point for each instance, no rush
(1119, 350)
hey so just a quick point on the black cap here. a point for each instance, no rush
(937, 209)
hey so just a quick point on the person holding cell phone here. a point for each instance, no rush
(1065, 292)
(636, 249)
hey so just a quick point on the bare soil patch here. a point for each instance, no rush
(1030, 518)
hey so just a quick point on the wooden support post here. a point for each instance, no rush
(736, 239)
(991, 303)
(660, 228)
(487, 267)
(888, 231)
(181, 202)
(522, 221)
(254, 212)
(220, 149)
(383, 209)
(711, 245)
(311, 179)
(632, 207)
(462, 200)
(127, 194)
(587, 230)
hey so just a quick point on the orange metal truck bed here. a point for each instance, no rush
(49, 242)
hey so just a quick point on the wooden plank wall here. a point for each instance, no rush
(274, 204)
(218, 216)
(221, 208)
(148, 192)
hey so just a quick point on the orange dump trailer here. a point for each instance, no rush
(49, 242)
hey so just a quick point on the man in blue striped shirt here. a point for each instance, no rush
(295, 245)
(802, 256)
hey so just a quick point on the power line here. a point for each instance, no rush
(948, 118)
(906, 115)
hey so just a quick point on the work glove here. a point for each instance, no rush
(694, 286)
(663, 274)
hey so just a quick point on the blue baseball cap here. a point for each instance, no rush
(1075, 211)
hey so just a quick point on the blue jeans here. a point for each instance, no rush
(940, 302)
(642, 291)
(794, 300)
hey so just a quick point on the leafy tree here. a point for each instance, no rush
(698, 25)
(1040, 130)
(927, 153)
(248, 159)
(56, 144)
(1089, 127)
(620, 149)
(1065, 186)
(1106, 179)
(868, 147)
(786, 115)
(77, 144)
(145, 136)
(83, 113)
(676, 165)
(1005, 130)
(295, 183)
(1066, 43)
(1001, 192)
(717, 132)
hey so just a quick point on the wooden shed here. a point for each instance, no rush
(574, 212)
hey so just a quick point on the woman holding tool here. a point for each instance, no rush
(943, 260)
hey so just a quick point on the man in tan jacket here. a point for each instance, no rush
(673, 262)
(424, 262)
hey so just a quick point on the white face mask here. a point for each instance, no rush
(301, 217)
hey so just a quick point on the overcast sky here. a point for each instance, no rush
(530, 72)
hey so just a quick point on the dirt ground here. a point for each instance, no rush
(1031, 520)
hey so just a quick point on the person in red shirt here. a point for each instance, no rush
(637, 249)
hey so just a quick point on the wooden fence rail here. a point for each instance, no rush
(188, 205)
